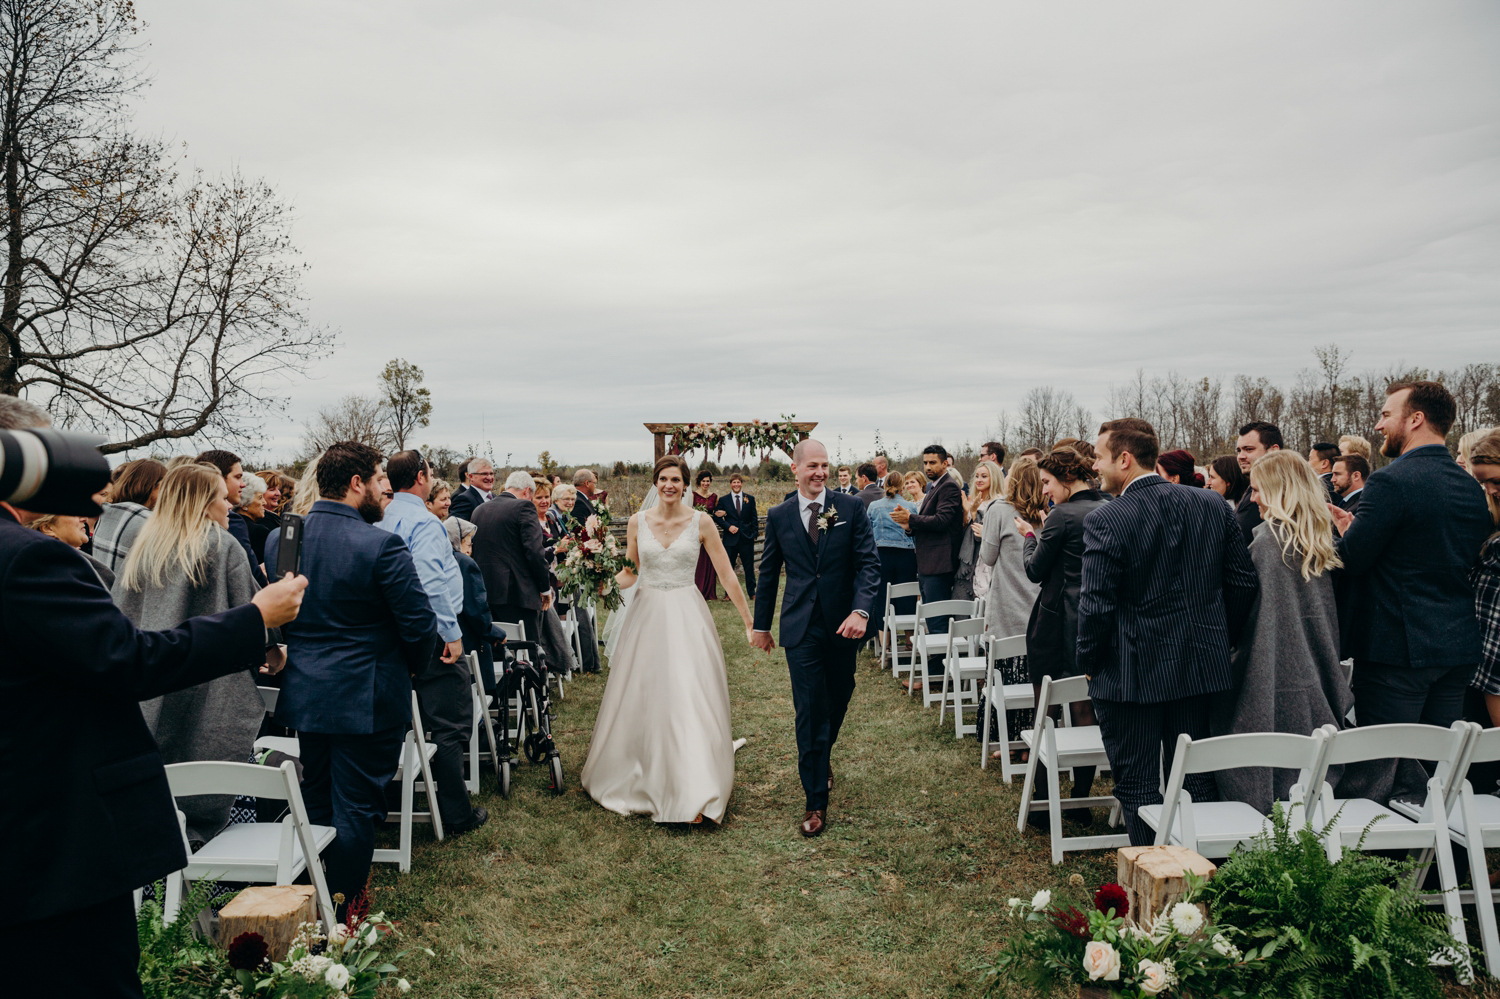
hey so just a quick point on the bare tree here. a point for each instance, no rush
(1047, 414)
(133, 304)
(408, 405)
(353, 418)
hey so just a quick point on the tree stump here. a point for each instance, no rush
(273, 911)
(1153, 881)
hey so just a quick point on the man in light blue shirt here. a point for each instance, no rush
(444, 688)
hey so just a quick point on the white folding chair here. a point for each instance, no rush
(895, 624)
(1001, 698)
(1217, 828)
(1062, 749)
(483, 720)
(286, 744)
(927, 643)
(416, 757)
(964, 666)
(1427, 828)
(258, 852)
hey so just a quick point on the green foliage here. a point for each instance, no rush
(772, 470)
(407, 404)
(619, 470)
(1352, 928)
(175, 963)
(546, 464)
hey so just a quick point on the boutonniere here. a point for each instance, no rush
(827, 519)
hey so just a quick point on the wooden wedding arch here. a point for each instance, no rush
(660, 432)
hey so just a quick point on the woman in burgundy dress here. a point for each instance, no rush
(706, 579)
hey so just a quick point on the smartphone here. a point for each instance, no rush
(289, 547)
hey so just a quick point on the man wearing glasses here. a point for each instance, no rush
(478, 478)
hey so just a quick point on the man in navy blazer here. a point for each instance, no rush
(825, 541)
(365, 629)
(739, 526)
(1413, 633)
(1167, 586)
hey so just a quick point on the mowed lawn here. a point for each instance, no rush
(902, 896)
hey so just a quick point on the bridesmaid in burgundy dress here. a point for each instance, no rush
(706, 579)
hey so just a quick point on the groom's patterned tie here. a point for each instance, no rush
(812, 523)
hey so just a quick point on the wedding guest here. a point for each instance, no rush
(509, 549)
(882, 466)
(845, 478)
(1008, 593)
(1466, 444)
(134, 494)
(937, 528)
(584, 481)
(552, 529)
(1031, 452)
(1349, 474)
(1355, 444)
(913, 486)
(1257, 439)
(870, 485)
(443, 685)
(705, 499)
(229, 465)
(1179, 468)
(1053, 558)
(564, 498)
(73, 532)
(897, 551)
(307, 492)
(1484, 465)
(476, 479)
(1226, 478)
(1286, 671)
(252, 506)
(474, 616)
(366, 626)
(973, 574)
(1320, 457)
(440, 502)
(272, 501)
(992, 451)
(185, 564)
(1412, 632)
(739, 526)
(1155, 623)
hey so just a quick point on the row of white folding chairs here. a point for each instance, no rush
(1450, 809)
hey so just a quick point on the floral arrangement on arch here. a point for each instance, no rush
(756, 437)
(348, 966)
(591, 558)
(1181, 954)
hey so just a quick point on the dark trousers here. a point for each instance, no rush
(343, 785)
(444, 695)
(738, 547)
(47, 961)
(1385, 695)
(935, 588)
(822, 672)
(897, 565)
(1141, 740)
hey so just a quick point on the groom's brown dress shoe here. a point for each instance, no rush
(813, 822)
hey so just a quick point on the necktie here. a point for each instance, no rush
(737, 507)
(812, 523)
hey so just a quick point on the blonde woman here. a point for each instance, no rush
(185, 563)
(1286, 667)
(1010, 595)
(1466, 446)
(913, 486)
(973, 575)
(307, 493)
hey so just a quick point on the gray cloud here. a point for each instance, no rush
(579, 217)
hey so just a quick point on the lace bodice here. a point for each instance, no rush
(670, 567)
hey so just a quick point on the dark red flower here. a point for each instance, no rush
(1071, 921)
(248, 951)
(1112, 896)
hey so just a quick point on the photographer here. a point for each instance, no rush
(89, 815)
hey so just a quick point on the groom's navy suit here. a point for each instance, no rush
(824, 584)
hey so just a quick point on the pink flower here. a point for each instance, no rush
(592, 524)
(593, 545)
(1100, 960)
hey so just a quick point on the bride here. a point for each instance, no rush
(662, 745)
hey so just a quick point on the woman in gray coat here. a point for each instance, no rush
(183, 564)
(1009, 594)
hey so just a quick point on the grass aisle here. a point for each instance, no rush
(557, 897)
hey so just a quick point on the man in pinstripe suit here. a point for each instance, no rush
(1167, 585)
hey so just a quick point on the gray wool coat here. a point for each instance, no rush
(1008, 603)
(1287, 674)
(217, 720)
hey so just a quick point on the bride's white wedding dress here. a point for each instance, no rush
(662, 745)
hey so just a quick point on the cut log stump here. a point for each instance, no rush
(273, 911)
(1153, 881)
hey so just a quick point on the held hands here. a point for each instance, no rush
(452, 650)
(760, 639)
(280, 602)
(854, 626)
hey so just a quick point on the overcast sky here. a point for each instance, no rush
(579, 217)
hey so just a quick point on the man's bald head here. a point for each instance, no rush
(810, 466)
(806, 448)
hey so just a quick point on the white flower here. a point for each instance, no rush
(314, 967)
(338, 936)
(337, 976)
(592, 524)
(371, 937)
(402, 985)
(593, 544)
(1225, 948)
(1100, 960)
(1187, 919)
(1041, 900)
(1014, 903)
(1154, 978)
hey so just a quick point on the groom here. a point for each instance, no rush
(825, 542)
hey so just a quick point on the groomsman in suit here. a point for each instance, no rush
(1349, 474)
(1257, 439)
(739, 526)
(478, 478)
(871, 486)
(1154, 628)
(937, 528)
(845, 486)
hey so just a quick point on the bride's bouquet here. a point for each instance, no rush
(591, 558)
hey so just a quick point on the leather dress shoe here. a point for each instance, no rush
(480, 817)
(813, 822)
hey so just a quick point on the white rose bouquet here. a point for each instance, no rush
(590, 560)
(351, 964)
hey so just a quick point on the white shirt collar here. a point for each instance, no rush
(1351, 494)
(803, 503)
(1138, 478)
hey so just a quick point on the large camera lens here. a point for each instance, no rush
(52, 471)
